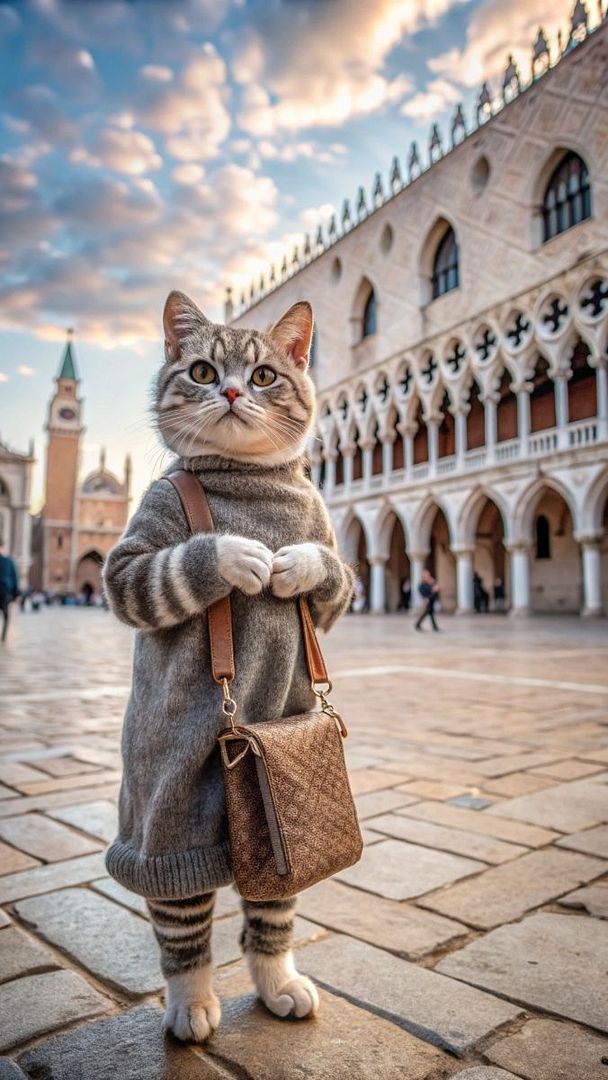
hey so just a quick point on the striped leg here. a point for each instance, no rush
(266, 941)
(183, 931)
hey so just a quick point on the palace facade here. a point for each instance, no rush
(460, 352)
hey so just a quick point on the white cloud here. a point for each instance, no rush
(306, 65)
(188, 174)
(497, 29)
(3, 377)
(156, 73)
(23, 369)
(131, 153)
(430, 102)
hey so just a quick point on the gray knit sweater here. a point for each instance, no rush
(172, 829)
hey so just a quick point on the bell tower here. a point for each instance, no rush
(60, 513)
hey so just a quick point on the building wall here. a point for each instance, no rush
(16, 471)
(401, 398)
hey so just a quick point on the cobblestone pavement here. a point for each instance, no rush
(471, 939)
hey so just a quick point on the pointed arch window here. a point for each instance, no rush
(445, 267)
(567, 199)
(370, 316)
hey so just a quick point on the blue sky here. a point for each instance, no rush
(148, 145)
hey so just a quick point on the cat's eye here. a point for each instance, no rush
(203, 373)
(263, 376)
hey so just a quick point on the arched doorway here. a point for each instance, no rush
(397, 567)
(506, 410)
(446, 442)
(441, 561)
(355, 553)
(489, 556)
(377, 460)
(476, 427)
(421, 438)
(555, 565)
(604, 556)
(88, 573)
(582, 386)
(542, 398)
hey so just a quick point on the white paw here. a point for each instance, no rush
(194, 1022)
(193, 1011)
(245, 564)
(281, 987)
(297, 998)
(297, 568)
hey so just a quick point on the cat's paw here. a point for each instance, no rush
(297, 568)
(193, 1011)
(245, 564)
(281, 987)
(195, 1021)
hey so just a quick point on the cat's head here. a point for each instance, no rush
(238, 393)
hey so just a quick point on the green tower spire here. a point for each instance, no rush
(68, 362)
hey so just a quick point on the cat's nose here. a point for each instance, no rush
(231, 393)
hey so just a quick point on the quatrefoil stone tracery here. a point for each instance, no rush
(554, 315)
(486, 345)
(519, 331)
(594, 300)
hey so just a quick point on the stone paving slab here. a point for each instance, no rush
(483, 1072)
(400, 928)
(11, 860)
(98, 818)
(64, 766)
(4, 919)
(457, 841)
(362, 781)
(109, 941)
(399, 871)
(115, 891)
(556, 963)
(8, 793)
(10, 807)
(550, 1050)
(380, 802)
(21, 955)
(439, 1010)
(458, 817)
(521, 783)
(569, 770)
(127, 1047)
(54, 876)
(593, 899)
(45, 839)
(69, 783)
(431, 789)
(17, 775)
(591, 841)
(342, 1043)
(39, 1003)
(10, 1071)
(506, 892)
(571, 807)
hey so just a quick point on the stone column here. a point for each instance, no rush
(592, 576)
(561, 408)
(432, 428)
(368, 459)
(464, 580)
(523, 420)
(330, 473)
(377, 589)
(460, 438)
(387, 457)
(520, 579)
(490, 414)
(315, 473)
(407, 433)
(417, 561)
(602, 400)
(347, 459)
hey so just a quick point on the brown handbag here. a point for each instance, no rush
(291, 816)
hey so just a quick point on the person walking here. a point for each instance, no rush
(429, 591)
(9, 588)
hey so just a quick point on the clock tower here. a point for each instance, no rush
(60, 512)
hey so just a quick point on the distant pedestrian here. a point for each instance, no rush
(429, 591)
(359, 596)
(406, 594)
(499, 595)
(9, 588)
(481, 597)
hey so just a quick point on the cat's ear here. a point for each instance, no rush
(293, 332)
(180, 317)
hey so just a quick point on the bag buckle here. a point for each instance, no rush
(236, 736)
(321, 691)
(229, 705)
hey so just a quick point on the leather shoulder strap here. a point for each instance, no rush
(198, 514)
(219, 614)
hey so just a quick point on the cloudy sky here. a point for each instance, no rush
(146, 145)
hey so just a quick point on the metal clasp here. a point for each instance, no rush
(229, 705)
(327, 707)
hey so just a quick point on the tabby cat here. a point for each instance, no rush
(236, 406)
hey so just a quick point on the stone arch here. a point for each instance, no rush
(440, 228)
(422, 523)
(594, 505)
(88, 571)
(527, 505)
(468, 518)
(540, 181)
(356, 545)
(555, 559)
(482, 530)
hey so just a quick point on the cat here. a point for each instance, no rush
(237, 407)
